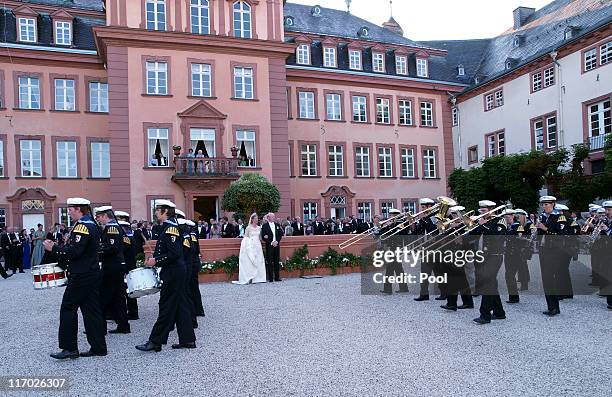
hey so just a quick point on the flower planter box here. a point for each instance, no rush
(215, 277)
(220, 277)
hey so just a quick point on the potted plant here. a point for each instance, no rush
(177, 150)
(234, 150)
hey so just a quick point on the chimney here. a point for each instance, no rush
(520, 16)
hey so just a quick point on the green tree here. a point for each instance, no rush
(251, 193)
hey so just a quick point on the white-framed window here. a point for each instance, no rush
(243, 83)
(545, 133)
(536, 82)
(156, 14)
(201, 80)
(303, 54)
(605, 53)
(408, 163)
(590, 59)
(100, 160)
(66, 161)
(385, 162)
(307, 105)
(600, 122)
(427, 114)
(355, 59)
(335, 160)
(29, 92)
(200, 17)
(1, 158)
(383, 111)
(455, 115)
(27, 29)
(329, 57)
(429, 163)
(489, 104)
(405, 112)
(401, 64)
(491, 145)
(242, 19)
(31, 158)
(551, 132)
(63, 33)
(158, 144)
(360, 113)
(364, 211)
(472, 154)
(246, 139)
(378, 62)
(98, 97)
(499, 98)
(385, 206)
(460, 71)
(64, 95)
(63, 218)
(496, 144)
(549, 77)
(333, 105)
(362, 161)
(409, 206)
(157, 78)
(422, 67)
(203, 142)
(309, 211)
(309, 160)
(538, 132)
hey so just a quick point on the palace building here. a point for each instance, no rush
(345, 117)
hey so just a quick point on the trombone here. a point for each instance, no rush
(441, 228)
(444, 203)
(358, 237)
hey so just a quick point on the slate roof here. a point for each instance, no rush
(95, 5)
(542, 32)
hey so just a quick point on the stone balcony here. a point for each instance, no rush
(190, 171)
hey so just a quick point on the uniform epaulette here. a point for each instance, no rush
(574, 224)
(112, 230)
(82, 229)
(501, 222)
(562, 218)
(186, 243)
(126, 240)
(193, 238)
(520, 229)
(173, 230)
(532, 226)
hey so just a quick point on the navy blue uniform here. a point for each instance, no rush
(113, 273)
(129, 254)
(493, 246)
(83, 287)
(194, 283)
(551, 256)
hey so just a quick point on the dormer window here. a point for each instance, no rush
(355, 59)
(510, 63)
(378, 62)
(303, 54)
(518, 40)
(363, 32)
(289, 21)
(156, 14)
(460, 71)
(242, 19)
(570, 32)
(329, 57)
(401, 64)
(27, 29)
(476, 80)
(316, 11)
(422, 67)
(63, 33)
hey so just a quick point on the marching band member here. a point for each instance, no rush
(173, 307)
(113, 269)
(606, 231)
(524, 231)
(491, 227)
(129, 254)
(185, 231)
(424, 226)
(570, 250)
(512, 254)
(196, 263)
(394, 267)
(83, 288)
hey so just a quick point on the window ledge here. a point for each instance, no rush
(386, 177)
(337, 177)
(201, 97)
(90, 112)
(430, 179)
(309, 176)
(384, 124)
(64, 111)
(158, 168)
(91, 178)
(28, 110)
(2, 108)
(407, 125)
(305, 119)
(361, 122)
(430, 127)
(409, 177)
(244, 168)
(157, 95)
(364, 177)
(244, 99)
(31, 177)
(335, 121)
(66, 178)
(4, 177)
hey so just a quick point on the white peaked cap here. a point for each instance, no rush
(561, 207)
(77, 201)
(486, 203)
(122, 213)
(103, 208)
(426, 200)
(165, 203)
(547, 199)
(179, 212)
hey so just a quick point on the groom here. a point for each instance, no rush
(272, 234)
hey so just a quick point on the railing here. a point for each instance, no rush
(207, 167)
(598, 142)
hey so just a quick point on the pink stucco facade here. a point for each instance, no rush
(272, 116)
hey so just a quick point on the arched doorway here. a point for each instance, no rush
(30, 207)
(338, 202)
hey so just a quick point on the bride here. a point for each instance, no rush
(251, 266)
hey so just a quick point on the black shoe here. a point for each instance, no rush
(149, 346)
(64, 354)
(552, 312)
(21, 271)
(441, 298)
(270, 281)
(422, 298)
(475, 295)
(403, 291)
(512, 301)
(480, 320)
(524, 287)
(447, 307)
(119, 330)
(191, 345)
(200, 314)
(91, 353)
(386, 292)
(465, 307)
(496, 317)
(135, 317)
(609, 307)
(277, 280)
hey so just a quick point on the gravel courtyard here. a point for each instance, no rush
(322, 337)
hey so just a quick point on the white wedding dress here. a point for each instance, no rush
(251, 265)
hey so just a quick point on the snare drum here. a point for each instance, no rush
(142, 281)
(49, 276)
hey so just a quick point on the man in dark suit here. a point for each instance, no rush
(318, 228)
(202, 230)
(146, 232)
(353, 223)
(227, 229)
(271, 234)
(4, 240)
(16, 251)
(5, 248)
(298, 227)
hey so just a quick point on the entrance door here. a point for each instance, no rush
(205, 208)
(338, 213)
(31, 221)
